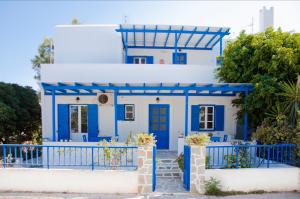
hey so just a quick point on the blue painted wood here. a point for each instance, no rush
(219, 117)
(159, 124)
(179, 57)
(53, 115)
(130, 59)
(245, 117)
(187, 167)
(121, 111)
(63, 122)
(93, 128)
(154, 169)
(195, 125)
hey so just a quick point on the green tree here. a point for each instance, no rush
(264, 59)
(44, 56)
(19, 114)
(75, 21)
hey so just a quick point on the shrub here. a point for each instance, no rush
(274, 132)
(180, 161)
(198, 139)
(144, 139)
(212, 187)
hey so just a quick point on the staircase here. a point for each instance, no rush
(167, 166)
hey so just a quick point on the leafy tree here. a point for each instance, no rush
(19, 114)
(290, 100)
(264, 59)
(44, 56)
(75, 21)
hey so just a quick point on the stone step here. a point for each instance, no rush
(168, 175)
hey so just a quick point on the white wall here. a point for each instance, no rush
(126, 73)
(140, 124)
(267, 179)
(68, 180)
(87, 44)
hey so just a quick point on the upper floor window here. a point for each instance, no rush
(179, 58)
(207, 117)
(129, 112)
(78, 118)
(139, 60)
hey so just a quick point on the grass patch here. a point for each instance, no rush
(212, 188)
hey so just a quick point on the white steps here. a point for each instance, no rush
(167, 168)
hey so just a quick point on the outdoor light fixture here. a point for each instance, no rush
(157, 99)
(77, 99)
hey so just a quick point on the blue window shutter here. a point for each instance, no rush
(130, 59)
(149, 59)
(219, 118)
(63, 122)
(121, 112)
(93, 128)
(195, 118)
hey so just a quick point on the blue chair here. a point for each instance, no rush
(225, 138)
(84, 138)
(215, 139)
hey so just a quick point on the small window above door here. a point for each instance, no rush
(180, 58)
(140, 60)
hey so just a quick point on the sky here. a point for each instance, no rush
(24, 24)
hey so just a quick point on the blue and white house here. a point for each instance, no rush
(108, 81)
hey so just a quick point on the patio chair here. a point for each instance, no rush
(225, 138)
(84, 138)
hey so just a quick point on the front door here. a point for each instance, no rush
(159, 124)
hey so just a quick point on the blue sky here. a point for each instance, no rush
(25, 24)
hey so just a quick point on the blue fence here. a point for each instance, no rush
(251, 156)
(83, 157)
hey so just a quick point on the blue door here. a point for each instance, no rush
(63, 122)
(159, 124)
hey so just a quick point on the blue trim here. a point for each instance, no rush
(167, 36)
(154, 169)
(173, 31)
(213, 37)
(167, 47)
(126, 48)
(154, 40)
(190, 37)
(211, 88)
(134, 36)
(53, 116)
(187, 167)
(220, 38)
(201, 38)
(144, 35)
(246, 118)
(149, 59)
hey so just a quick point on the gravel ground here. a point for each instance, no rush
(8, 195)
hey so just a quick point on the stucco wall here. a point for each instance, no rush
(87, 44)
(140, 124)
(267, 179)
(68, 180)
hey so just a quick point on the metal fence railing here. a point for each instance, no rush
(251, 156)
(82, 157)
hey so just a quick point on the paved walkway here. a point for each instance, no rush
(133, 196)
(169, 185)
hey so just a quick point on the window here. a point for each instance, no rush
(206, 117)
(79, 118)
(140, 60)
(129, 112)
(180, 58)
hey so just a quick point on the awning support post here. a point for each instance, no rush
(186, 112)
(53, 116)
(126, 48)
(246, 117)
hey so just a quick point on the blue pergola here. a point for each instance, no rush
(174, 37)
(145, 89)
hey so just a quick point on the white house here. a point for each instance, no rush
(110, 80)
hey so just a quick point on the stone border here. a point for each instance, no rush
(145, 169)
(197, 164)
